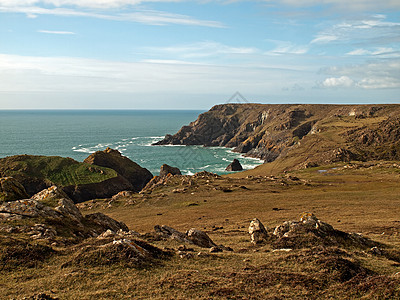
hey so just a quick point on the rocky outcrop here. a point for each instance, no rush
(166, 169)
(79, 181)
(234, 166)
(257, 231)
(51, 215)
(137, 176)
(309, 231)
(192, 236)
(270, 132)
(11, 189)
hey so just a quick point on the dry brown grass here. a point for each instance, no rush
(361, 200)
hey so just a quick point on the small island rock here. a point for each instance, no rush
(166, 169)
(234, 166)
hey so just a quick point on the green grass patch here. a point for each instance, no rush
(59, 170)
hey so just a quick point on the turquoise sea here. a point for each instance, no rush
(77, 133)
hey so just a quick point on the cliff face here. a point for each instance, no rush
(269, 132)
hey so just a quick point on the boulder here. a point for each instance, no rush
(105, 222)
(169, 232)
(257, 231)
(11, 189)
(200, 238)
(234, 166)
(50, 193)
(166, 169)
(137, 176)
(192, 236)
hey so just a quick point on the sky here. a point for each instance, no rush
(182, 54)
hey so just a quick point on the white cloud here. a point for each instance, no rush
(374, 30)
(151, 17)
(201, 50)
(286, 47)
(61, 74)
(358, 5)
(377, 75)
(334, 82)
(57, 32)
(382, 52)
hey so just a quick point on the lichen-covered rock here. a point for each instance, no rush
(26, 208)
(310, 231)
(166, 169)
(234, 166)
(257, 231)
(11, 189)
(50, 193)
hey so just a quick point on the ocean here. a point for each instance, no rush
(77, 133)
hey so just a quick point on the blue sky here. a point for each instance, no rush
(133, 54)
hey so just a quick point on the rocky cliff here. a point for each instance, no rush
(102, 175)
(269, 131)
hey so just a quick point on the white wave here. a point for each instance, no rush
(205, 167)
(84, 150)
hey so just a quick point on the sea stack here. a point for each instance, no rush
(234, 166)
(166, 169)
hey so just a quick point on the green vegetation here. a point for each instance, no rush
(60, 171)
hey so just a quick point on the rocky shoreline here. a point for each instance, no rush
(272, 131)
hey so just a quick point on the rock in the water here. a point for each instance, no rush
(166, 169)
(200, 238)
(234, 166)
(11, 189)
(137, 176)
(257, 231)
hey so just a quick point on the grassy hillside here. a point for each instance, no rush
(60, 171)
(356, 197)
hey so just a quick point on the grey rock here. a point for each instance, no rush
(257, 231)
(200, 238)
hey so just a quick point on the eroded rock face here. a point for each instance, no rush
(137, 176)
(257, 231)
(166, 169)
(11, 189)
(234, 166)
